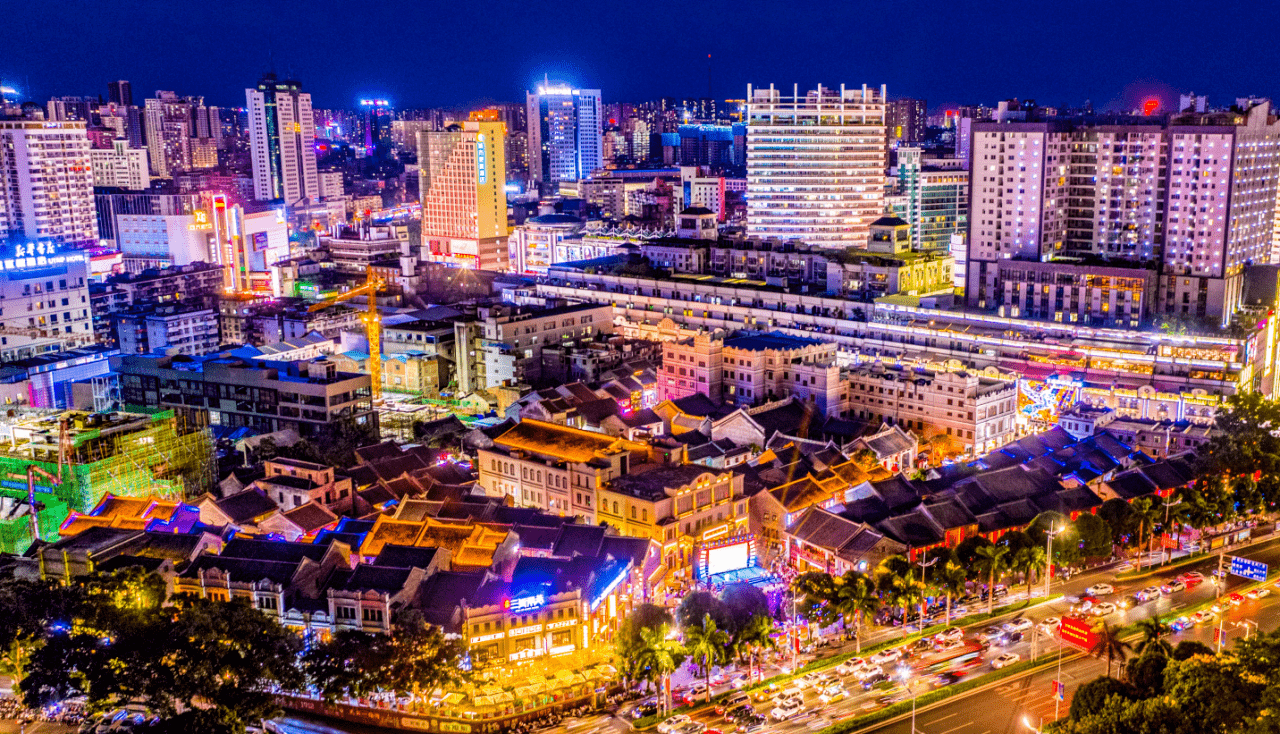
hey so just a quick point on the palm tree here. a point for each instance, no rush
(894, 577)
(657, 658)
(1153, 632)
(950, 580)
(1147, 512)
(855, 597)
(1110, 644)
(755, 636)
(1029, 561)
(991, 561)
(708, 644)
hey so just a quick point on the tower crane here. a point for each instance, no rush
(372, 324)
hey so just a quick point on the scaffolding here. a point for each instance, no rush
(15, 522)
(123, 454)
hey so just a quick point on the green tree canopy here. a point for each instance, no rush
(1094, 536)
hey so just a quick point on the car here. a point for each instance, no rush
(945, 679)
(1009, 638)
(875, 678)
(1172, 587)
(949, 645)
(806, 680)
(786, 710)
(643, 709)
(1180, 624)
(990, 633)
(752, 724)
(693, 727)
(1017, 624)
(1050, 625)
(736, 712)
(867, 671)
(1219, 607)
(886, 656)
(739, 680)
(1005, 660)
(1236, 599)
(1191, 547)
(1148, 594)
(849, 666)
(825, 679)
(831, 694)
(1102, 609)
(731, 702)
(766, 693)
(951, 633)
(1258, 593)
(1201, 617)
(718, 679)
(1100, 590)
(1125, 566)
(673, 723)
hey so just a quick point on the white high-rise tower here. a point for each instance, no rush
(282, 135)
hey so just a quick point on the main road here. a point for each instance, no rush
(1000, 709)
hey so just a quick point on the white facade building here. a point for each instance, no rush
(46, 182)
(120, 166)
(282, 136)
(47, 293)
(815, 164)
(160, 241)
(565, 133)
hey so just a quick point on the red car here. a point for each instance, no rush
(1192, 581)
(1235, 599)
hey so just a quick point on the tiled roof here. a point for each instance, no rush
(247, 505)
(561, 442)
(311, 516)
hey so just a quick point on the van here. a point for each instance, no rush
(731, 701)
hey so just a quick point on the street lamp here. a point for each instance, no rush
(1164, 551)
(1245, 623)
(904, 675)
(1048, 559)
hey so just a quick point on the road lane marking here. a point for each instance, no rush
(944, 718)
(947, 731)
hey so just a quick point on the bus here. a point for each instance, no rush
(960, 660)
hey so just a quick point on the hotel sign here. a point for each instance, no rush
(530, 630)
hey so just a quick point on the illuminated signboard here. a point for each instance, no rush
(28, 249)
(525, 603)
(482, 168)
(1078, 632)
(259, 241)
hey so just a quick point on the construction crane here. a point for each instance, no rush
(372, 324)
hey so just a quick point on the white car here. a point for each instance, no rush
(675, 722)
(787, 710)
(1100, 590)
(886, 656)
(849, 666)
(1019, 624)
(951, 633)
(806, 680)
(1257, 593)
(1050, 625)
(867, 671)
(832, 693)
(693, 727)
(1149, 593)
(1007, 659)
(1102, 609)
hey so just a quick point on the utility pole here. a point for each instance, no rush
(1048, 559)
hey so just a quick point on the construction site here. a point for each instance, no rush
(68, 461)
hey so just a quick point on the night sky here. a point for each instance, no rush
(423, 53)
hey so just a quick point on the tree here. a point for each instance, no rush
(1118, 515)
(816, 594)
(855, 597)
(755, 636)
(991, 561)
(1147, 513)
(967, 553)
(1190, 648)
(1090, 696)
(1016, 540)
(706, 644)
(421, 658)
(742, 602)
(1094, 536)
(630, 638)
(950, 579)
(657, 658)
(346, 664)
(697, 604)
(1110, 644)
(1029, 561)
(1153, 632)
(896, 582)
(1146, 672)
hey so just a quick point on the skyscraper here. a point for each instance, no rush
(464, 204)
(120, 92)
(46, 182)
(282, 137)
(815, 164)
(565, 128)
(169, 124)
(906, 120)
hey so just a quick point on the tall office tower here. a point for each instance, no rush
(906, 120)
(815, 164)
(1192, 200)
(464, 204)
(120, 92)
(169, 124)
(376, 123)
(934, 196)
(282, 134)
(126, 121)
(66, 109)
(46, 182)
(638, 133)
(207, 123)
(565, 128)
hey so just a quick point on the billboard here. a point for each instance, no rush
(722, 556)
(1078, 632)
(1255, 570)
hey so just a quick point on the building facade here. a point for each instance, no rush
(565, 133)
(282, 137)
(120, 166)
(464, 203)
(46, 182)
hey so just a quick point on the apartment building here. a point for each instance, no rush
(44, 300)
(933, 196)
(188, 329)
(46, 182)
(511, 338)
(555, 468)
(222, 390)
(691, 366)
(757, 368)
(677, 505)
(976, 413)
(354, 250)
(120, 166)
(464, 203)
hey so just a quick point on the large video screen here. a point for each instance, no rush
(728, 557)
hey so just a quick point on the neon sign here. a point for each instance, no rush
(524, 603)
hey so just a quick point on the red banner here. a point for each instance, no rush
(1169, 541)
(1078, 632)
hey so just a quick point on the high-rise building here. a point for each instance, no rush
(565, 128)
(169, 122)
(1192, 200)
(46, 182)
(906, 120)
(120, 92)
(120, 166)
(282, 138)
(815, 164)
(45, 290)
(70, 108)
(934, 198)
(464, 202)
